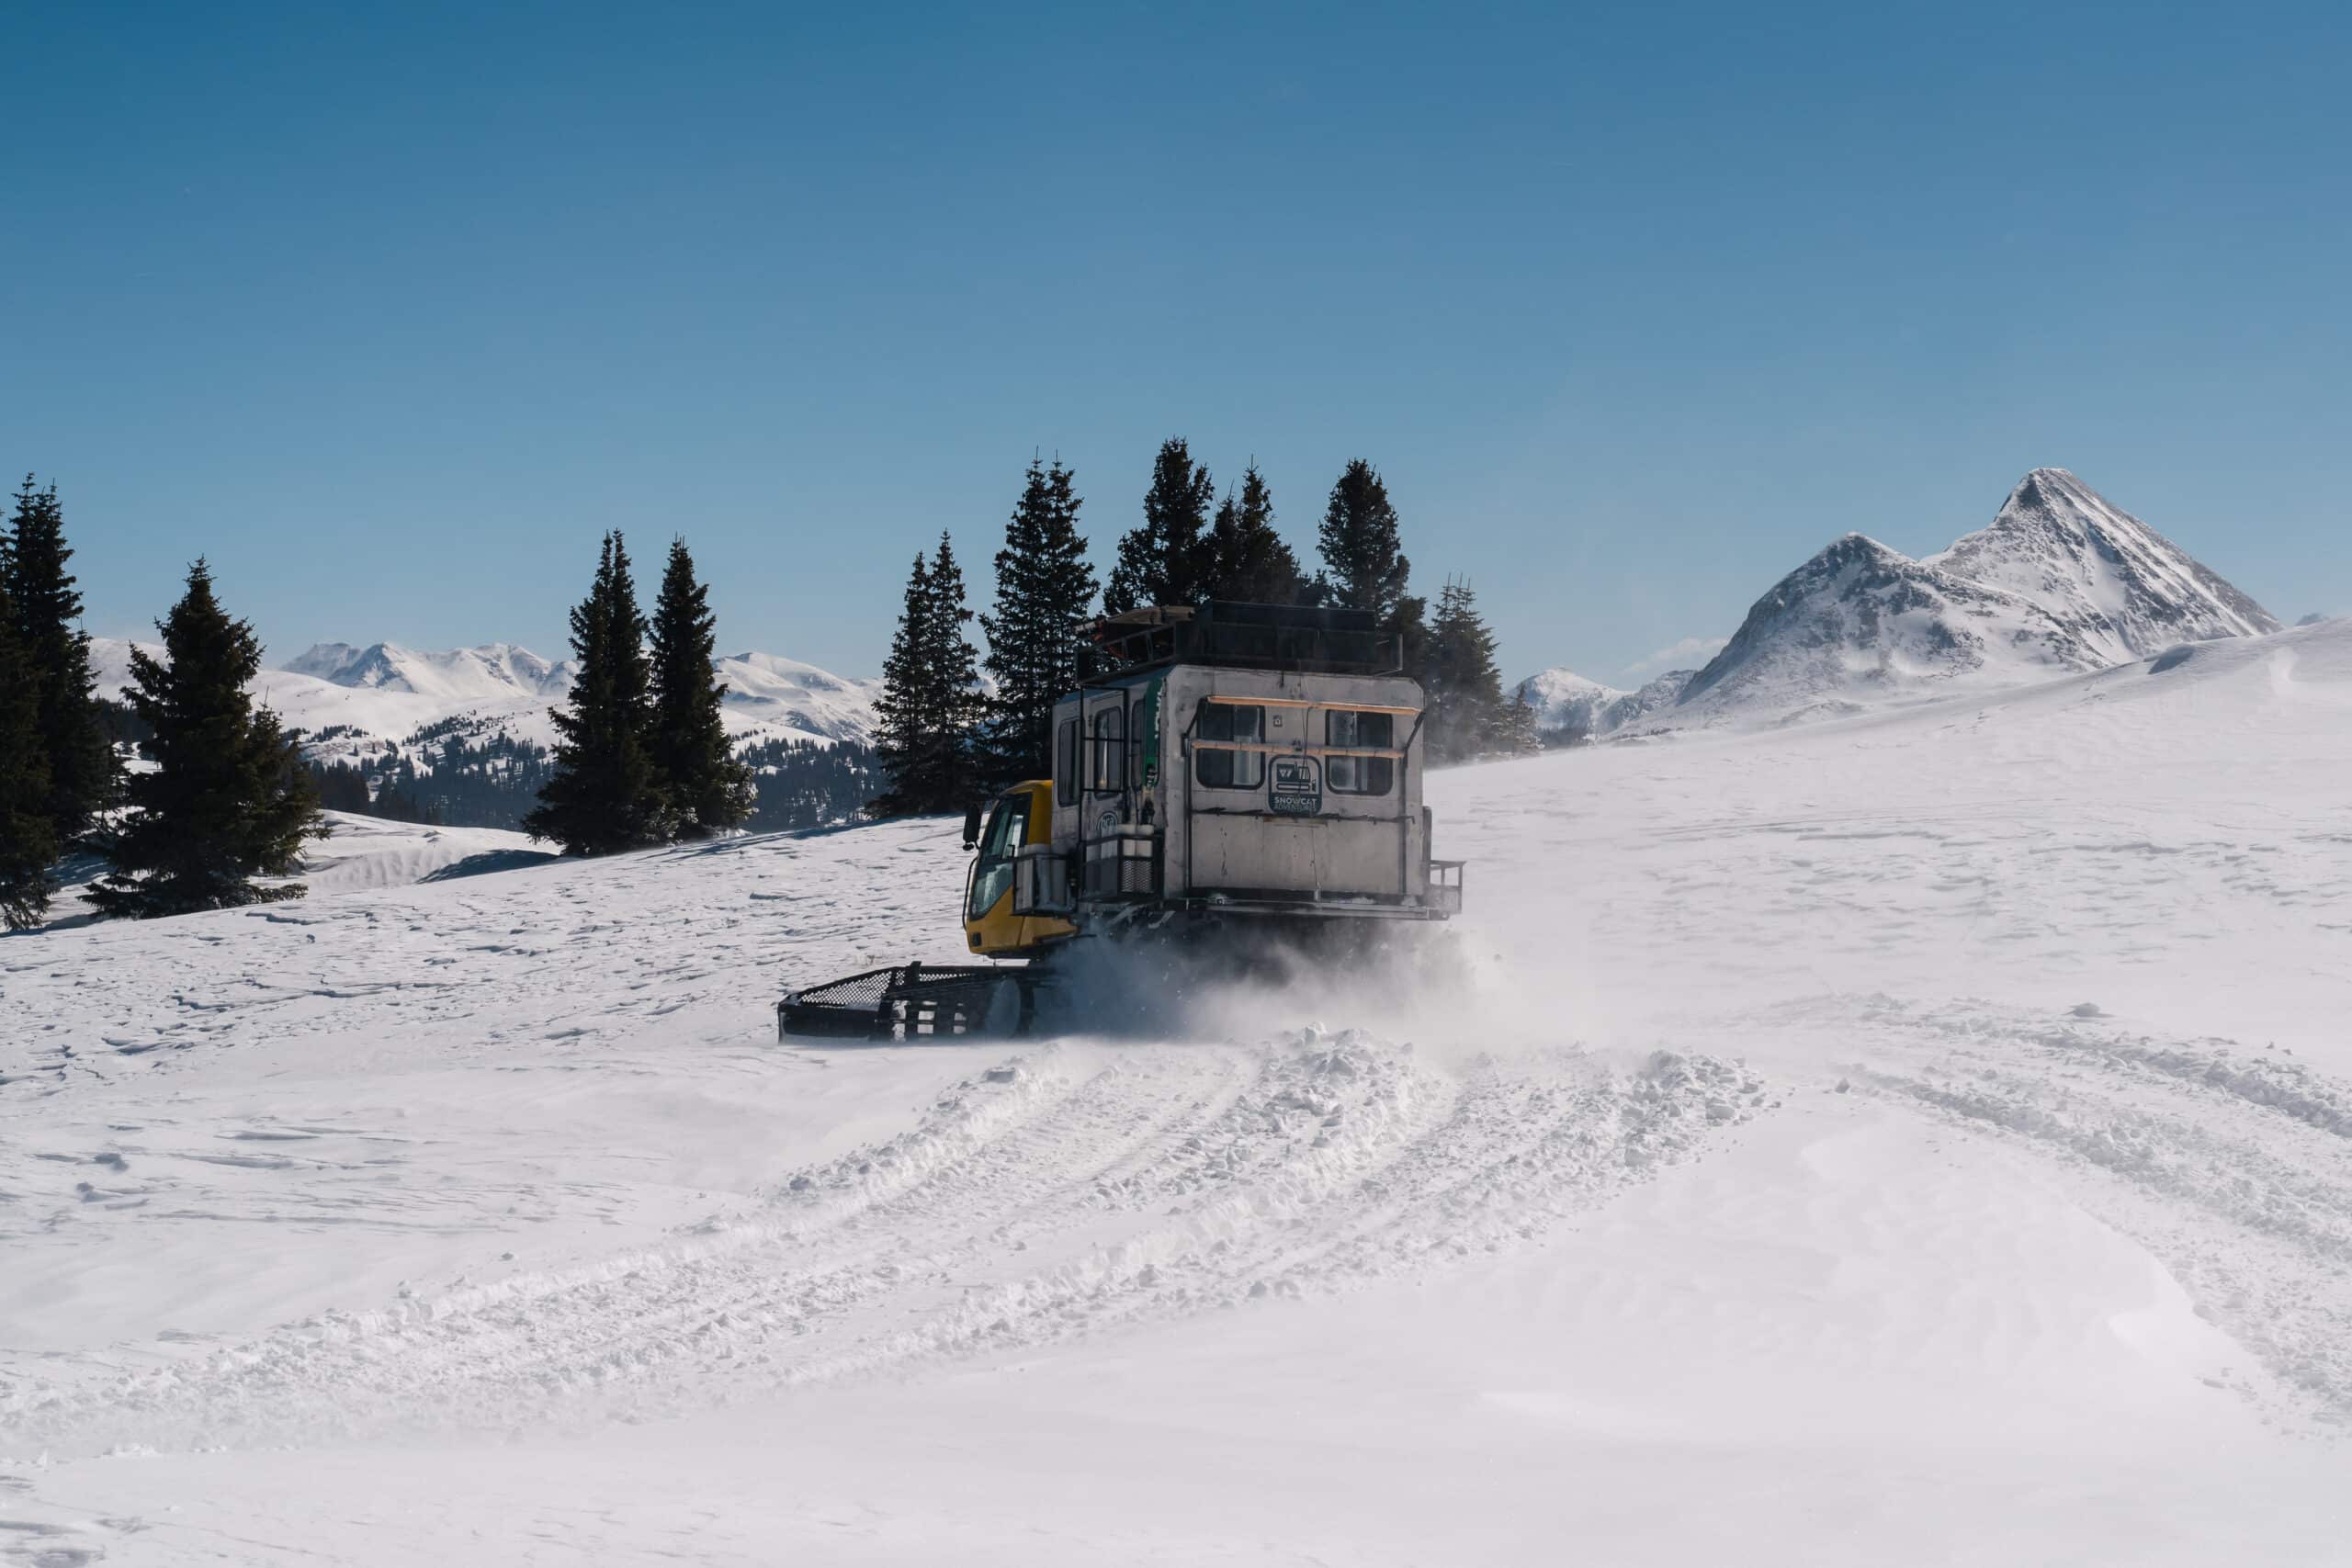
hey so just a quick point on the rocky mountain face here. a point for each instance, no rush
(2061, 582)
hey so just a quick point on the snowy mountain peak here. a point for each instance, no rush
(2061, 581)
(492, 671)
(799, 694)
(2124, 588)
(323, 660)
(1563, 700)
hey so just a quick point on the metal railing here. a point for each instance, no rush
(1124, 864)
(1445, 885)
(1041, 882)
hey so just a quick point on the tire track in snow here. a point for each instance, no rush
(1066, 1189)
(2232, 1166)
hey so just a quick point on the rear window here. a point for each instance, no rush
(1347, 729)
(1110, 751)
(1218, 767)
(1065, 763)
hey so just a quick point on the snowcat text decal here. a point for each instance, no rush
(1297, 787)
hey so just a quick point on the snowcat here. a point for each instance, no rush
(1237, 780)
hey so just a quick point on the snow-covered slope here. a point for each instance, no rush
(768, 690)
(2061, 582)
(1918, 1138)
(1565, 700)
(383, 693)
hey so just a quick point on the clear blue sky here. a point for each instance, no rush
(390, 310)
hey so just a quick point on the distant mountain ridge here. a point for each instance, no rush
(493, 669)
(2062, 581)
(383, 693)
(1565, 701)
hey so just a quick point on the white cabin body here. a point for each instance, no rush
(1208, 787)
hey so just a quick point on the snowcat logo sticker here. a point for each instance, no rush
(1298, 786)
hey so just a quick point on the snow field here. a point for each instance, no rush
(1921, 1138)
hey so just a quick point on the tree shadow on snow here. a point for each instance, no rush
(490, 861)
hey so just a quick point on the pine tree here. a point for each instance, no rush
(1465, 689)
(1522, 735)
(708, 788)
(1044, 586)
(951, 772)
(83, 775)
(28, 841)
(230, 798)
(605, 796)
(902, 722)
(1165, 560)
(929, 713)
(1247, 559)
(1360, 544)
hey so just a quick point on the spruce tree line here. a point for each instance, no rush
(943, 743)
(641, 757)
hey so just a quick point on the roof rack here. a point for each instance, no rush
(1303, 638)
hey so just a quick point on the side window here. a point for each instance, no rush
(1110, 751)
(1065, 763)
(993, 876)
(1215, 766)
(1346, 729)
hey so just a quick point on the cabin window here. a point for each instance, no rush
(1065, 763)
(1110, 751)
(1346, 729)
(1218, 768)
(999, 846)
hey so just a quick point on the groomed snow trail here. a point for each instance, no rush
(1061, 1189)
(2233, 1166)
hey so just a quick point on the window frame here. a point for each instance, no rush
(1233, 759)
(1110, 751)
(1383, 769)
(995, 856)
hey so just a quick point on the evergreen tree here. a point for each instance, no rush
(605, 794)
(929, 705)
(1464, 689)
(83, 777)
(900, 720)
(1044, 586)
(28, 841)
(1247, 559)
(1165, 562)
(1522, 735)
(228, 798)
(1360, 544)
(710, 789)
